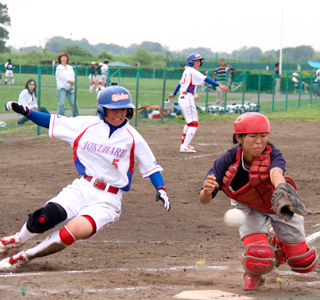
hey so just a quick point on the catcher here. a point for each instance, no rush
(252, 175)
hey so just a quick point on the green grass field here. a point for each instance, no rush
(150, 92)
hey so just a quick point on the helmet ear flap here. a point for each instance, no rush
(100, 112)
(129, 113)
(190, 63)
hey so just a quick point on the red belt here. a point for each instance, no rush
(185, 93)
(99, 184)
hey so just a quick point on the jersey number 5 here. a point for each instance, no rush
(115, 163)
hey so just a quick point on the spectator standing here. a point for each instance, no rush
(9, 72)
(28, 98)
(277, 79)
(65, 83)
(220, 76)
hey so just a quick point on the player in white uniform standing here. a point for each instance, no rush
(9, 71)
(99, 77)
(191, 78)
(104, 72)
(92, 76)
(105, 149)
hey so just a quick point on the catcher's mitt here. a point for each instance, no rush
(286, 202)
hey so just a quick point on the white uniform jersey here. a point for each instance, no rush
(111, 159)
(190, 79)
(104, 70)
(8, 67)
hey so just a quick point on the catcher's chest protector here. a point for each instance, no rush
(257, 193)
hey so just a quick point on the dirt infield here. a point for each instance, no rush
(151, 253)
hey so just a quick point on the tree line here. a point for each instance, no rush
(149, 53)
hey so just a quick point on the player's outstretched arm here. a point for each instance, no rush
(276, 176)
(157, 181)
(41, 119)
(209, 185)
(221, 86)
(171, 96)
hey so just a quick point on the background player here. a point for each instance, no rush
(9, 72)
(191, 78)
(104, 72)
(105, 148)
(92, 76)
(249, 174)
(99, 77)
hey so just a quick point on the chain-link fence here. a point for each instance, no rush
(150, 89)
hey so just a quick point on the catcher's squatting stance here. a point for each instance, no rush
(252, 175)
(105, 148)
(190, 79)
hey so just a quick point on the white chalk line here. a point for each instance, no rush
(113, 270)
(205, 144)
(86, 291)
(311, 238)
(135, 242)
(209, 154)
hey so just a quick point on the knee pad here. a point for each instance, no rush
(304, 263)
(46, 218)
(66, 236)
(258, 259)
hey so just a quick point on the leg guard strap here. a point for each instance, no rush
(279, 252)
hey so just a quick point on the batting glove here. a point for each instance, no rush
(18, 108)
(163, 196)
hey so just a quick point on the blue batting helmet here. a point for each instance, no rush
(192, 57)
(114, 97)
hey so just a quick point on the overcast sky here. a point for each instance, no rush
(222, 26)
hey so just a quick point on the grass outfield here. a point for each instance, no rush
(150, 93)
(303, 114)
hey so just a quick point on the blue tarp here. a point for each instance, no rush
(314, 64)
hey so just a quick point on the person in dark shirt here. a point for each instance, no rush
(248, 174)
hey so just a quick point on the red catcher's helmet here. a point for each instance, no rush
(250, 122)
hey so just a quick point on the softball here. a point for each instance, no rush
(234, 218)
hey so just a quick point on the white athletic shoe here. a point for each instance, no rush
(14, 262)
(187, 150)
(189, 146)
(8, 242)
